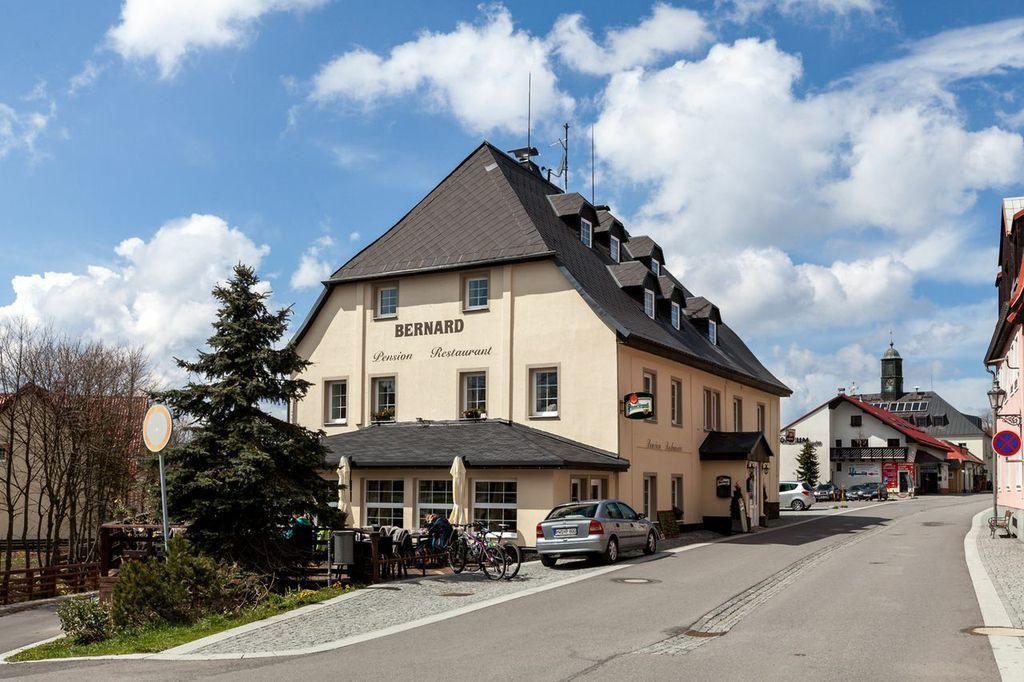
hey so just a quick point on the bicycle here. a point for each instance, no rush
(513, 553)
(471, 547)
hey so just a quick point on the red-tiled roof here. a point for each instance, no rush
(895, 422)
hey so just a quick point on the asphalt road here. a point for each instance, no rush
(26, 627)
(882, 591)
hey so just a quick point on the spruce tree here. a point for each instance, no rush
(807, 464)
(239, 476)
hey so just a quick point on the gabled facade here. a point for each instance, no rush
(1005, 354)
(501, 302)
(857, 442)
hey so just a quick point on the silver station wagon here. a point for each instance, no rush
(599, 528)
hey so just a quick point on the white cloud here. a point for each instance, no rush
(353, 236)
(19, 131)
(669, 30)
(478, 73)
(744, 10)
(167, 31)
(313, 269)
(84, 79)
(156, 294)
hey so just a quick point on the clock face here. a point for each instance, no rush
(890, 383)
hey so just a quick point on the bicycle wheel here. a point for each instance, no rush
(457, 555)
(513, 560)
(492, 561)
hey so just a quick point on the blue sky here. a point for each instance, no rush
(824, 170)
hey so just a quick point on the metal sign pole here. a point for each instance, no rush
(163, 497)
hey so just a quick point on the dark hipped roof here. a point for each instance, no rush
(491, 210)
(631, 273)
(957, 423)
(486, 443)
(567, 204)
(747, 446)
(642, 246)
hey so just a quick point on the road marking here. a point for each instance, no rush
(183, 652)
(1008, 651)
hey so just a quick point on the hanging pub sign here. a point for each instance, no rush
(638, 405)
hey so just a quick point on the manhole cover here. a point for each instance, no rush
(996, 631)
(635, 581)
(456, 594)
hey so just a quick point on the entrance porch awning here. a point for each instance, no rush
(742, 446)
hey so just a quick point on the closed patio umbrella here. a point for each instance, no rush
(345, 489)
(460, 493)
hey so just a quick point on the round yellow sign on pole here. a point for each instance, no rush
(156, 428)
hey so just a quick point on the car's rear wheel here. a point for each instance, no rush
(611, 552)
(797, 505)
(548, 561)
(652, 544)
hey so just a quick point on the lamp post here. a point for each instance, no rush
(996, 397)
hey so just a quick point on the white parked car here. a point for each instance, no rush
(795, 495)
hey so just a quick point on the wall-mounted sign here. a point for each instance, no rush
(664, 446)
(429, 328)
(638, 405)
(789, 436)
(381, 356)
(788, 439)
(1006, 443)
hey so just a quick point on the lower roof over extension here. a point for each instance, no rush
(746, 446)
(493, 443)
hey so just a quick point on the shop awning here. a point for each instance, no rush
(745, 446)
(494, 443)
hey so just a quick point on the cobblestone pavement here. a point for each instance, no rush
(400, 602)
(1004, 561)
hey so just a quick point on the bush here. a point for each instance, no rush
(182, 589)
(84, 619)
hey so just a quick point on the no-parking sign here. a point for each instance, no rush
(1006, 443)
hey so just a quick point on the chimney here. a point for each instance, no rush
(842, 390)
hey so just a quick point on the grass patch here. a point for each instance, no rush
(161, 637)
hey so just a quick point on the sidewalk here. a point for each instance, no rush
(1004, 561)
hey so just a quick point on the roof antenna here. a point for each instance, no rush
(592, 156)
(529, 105)
(563, 167)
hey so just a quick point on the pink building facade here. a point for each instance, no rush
(1006, 356)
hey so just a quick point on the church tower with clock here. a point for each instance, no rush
(892, 374)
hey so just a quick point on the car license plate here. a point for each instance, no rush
(565, 532)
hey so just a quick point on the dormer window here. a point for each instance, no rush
(675, 314)
(613, 248)
(649, 303)
(713, 332)
(656, 267)
(586, 232)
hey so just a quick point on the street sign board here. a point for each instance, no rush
(1006, 443)
(156, 428)
(638, 405)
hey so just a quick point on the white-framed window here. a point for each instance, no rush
(586, 232)
(713, 332)
(597, 488)
(477, 293)
(387, 302)
(385, 502)
(614, 248)
(576, 487)
(433, 497)
(650, 495)
(656, 267)
(336, 409)
(544, 383)
(712, 410)
(675, 314)
(474, 394)
(494, 502)
(677, 402)
(384, 403)
(677, 492)
(649, 303)
(737, 414)
(761, 417)
(650, 384)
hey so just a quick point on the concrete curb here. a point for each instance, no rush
(1008, 651)
(182, 652)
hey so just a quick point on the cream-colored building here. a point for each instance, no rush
(503, 321)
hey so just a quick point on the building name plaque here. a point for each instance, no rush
(666, 446)
(429, 328)
(440, 352)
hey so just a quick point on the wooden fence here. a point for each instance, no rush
(39, 583)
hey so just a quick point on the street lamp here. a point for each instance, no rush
(996, 398)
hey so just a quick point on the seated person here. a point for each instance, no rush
(438, 532)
